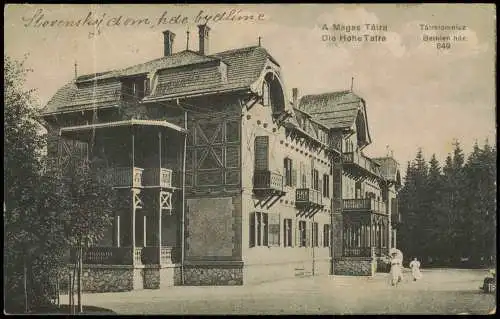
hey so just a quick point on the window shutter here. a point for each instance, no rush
(251, 233)
(308, 234)
(320, 238)
(294, 177)
(301, 174)
(261, 153)
(274, 229)
(297, 235)
(320, 184)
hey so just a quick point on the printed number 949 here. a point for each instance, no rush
(445, 45)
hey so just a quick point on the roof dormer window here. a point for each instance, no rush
(135, 88)
(266, 95)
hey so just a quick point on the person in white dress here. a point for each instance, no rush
(396, 272)
(415, 269)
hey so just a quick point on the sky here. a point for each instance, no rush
(416, 94)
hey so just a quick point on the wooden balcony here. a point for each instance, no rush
(121, 177)
(268, 182)
(364, 205)
(126, 255)
(150, 255)
(308, 197)
(396, 218)
(158, 177)
(106, 255)
(357, 251)
(359, 165)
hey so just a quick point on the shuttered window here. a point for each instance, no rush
(326, 235)
(261, 153)
(287, 232)
(302, 234)
(258, 226)
(252, 230)
(303, 175)
(262, 230)
(287, 163)
(274, 229)
(315, 179)
(297, 233)
(315, 234)
(326, 185)
(265, 229)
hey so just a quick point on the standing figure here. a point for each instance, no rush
(415, 269)
(396, 272)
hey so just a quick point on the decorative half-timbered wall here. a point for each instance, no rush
(213, 152)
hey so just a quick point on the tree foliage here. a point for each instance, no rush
(449, 212)
(47, 209)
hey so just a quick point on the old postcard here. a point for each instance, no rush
(250, 159)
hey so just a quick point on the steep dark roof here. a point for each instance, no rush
(389, 167)
(244, 66)
(178, 59)
(334, 109)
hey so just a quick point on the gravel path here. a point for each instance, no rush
(440, 291)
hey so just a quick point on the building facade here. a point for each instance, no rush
(222, 178)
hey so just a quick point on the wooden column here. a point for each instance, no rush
(117, 230)
(144, 229)
(133, 194)
(183, 200)
(159, 197)
(370, 232)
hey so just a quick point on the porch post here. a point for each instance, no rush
(133, 193)
(144, 230)
(394, 238)
(159, 198)
(183, 200)
(117, 230)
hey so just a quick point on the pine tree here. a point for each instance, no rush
(436, 219)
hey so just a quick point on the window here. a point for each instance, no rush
(303, 177)
(314, 234)
(288, 171)
(259, 228)
(287, 232)
(274, 229)
(261, 153)
(326, 235)
(252, 230)
(265, 229)
(260, 233)
(326, 185)
(302, 234)
(315, 179)
(266, 96)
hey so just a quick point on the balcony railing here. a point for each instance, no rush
(308, 196)
(357, 159)
(106, 255)
(138, 255)
(126, 255)
(158, 177)
(267, 180)
(365, 204)
(122, 176)
(396, 218)
(150, 255)
(357, 251)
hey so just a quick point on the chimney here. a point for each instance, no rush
(168, 42)
(295, 94)
(203, 32)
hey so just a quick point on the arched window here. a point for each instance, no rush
(266, 95)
